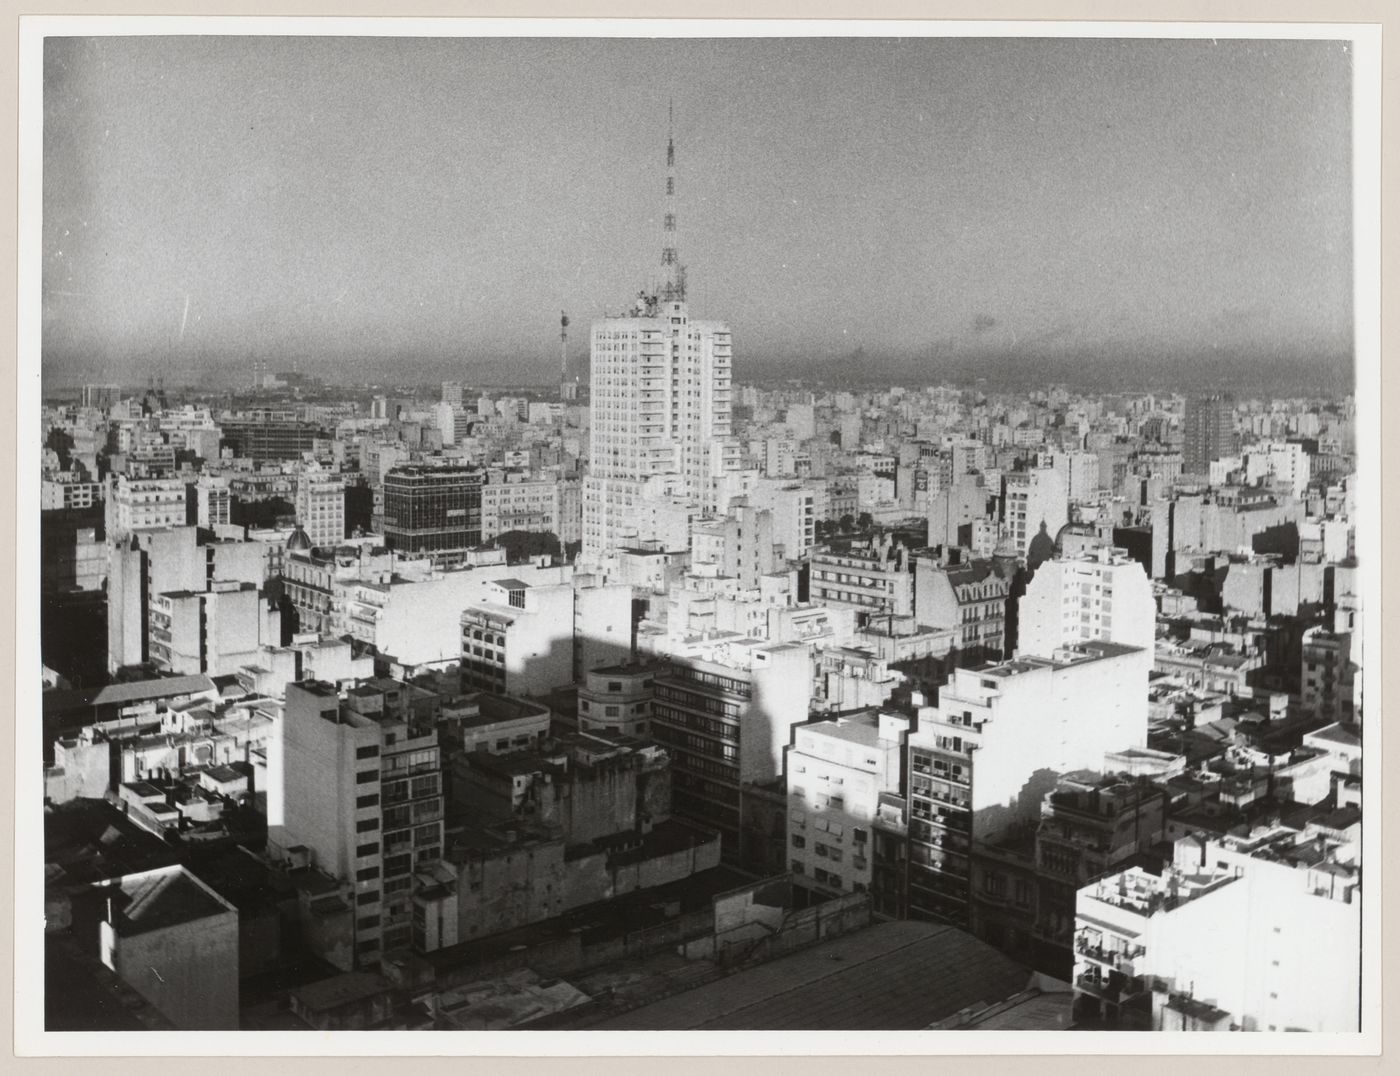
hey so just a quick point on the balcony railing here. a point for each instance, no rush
(1117, 959)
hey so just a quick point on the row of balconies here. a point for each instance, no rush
(1115, 958)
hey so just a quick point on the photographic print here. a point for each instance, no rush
(561, 527)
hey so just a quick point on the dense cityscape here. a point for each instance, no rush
(653, 699)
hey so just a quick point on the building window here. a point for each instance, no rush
(799, 841)
(372, 800)
(371, 751)
(370, 896)
(371, 849)
(364, 777)
(367, 825)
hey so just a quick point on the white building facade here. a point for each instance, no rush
(660, 405)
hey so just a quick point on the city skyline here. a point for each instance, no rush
(936, 592)
(927, 198)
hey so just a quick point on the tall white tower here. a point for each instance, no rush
(660, 404)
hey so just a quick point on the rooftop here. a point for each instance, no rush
(862, 729)
(891, 976)
(162, 898)
(1337, 733)
(340, 990)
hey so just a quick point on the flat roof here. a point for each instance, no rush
(341, 990)
(862, 729)
(890, 976)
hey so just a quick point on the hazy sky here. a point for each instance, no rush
(412, 201)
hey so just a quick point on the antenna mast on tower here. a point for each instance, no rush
(563, 347)
(673, 283)
(568, 390)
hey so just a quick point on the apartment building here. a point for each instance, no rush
(520, 503)
(1330, 676)
(213, 501)
(141, 504)
(1257, 932)
(837, 769)
(1103, 595)
(214, 631)
(519, 639)
(363, 795)
(1034, 502)
(969, 599)
(875, 581)
(983, 759)
(793, 508)
(320, 507)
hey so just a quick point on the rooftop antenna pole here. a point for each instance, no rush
(673, 286)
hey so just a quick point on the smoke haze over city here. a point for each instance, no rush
(941, 206)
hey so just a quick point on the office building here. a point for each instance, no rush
(269, 437)
(726, 716)
(432, 511)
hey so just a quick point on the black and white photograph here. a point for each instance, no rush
(788, 528)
